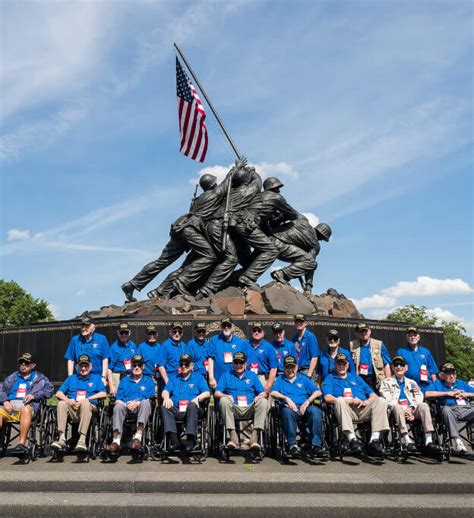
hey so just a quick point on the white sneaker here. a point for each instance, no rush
(59, 445)
(459, 447)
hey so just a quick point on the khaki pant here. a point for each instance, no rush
(258, 410)
(422, 412)
(116, 376)
(83, 414)
(375, 412)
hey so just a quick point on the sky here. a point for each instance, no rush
(364, 110)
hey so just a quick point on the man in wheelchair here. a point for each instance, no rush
(454, 396)
(296, 392)
(20, 394)
(133, 397)
(78, 398)
(181, 398)
(240, 393)
(405, 402)
(354, 400)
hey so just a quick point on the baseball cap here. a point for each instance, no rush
(86, 321)
(150, 330)
(176, 325)
(300, 316)
(123, 327)
(290, 360)
(257, 325)
(187, 358)
(84, 358)
(333, 333)
(240, 356)
(399, 359)
(341, 358)
(200, 325)
(412, 329)
(448, 367)
(138, 358)
(226, 320)
(27, 357)
(278, 327)
(362, 326)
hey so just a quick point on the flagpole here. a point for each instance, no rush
(231, 142)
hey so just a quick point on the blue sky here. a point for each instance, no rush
(363, 108)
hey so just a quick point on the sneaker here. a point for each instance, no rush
(294, 450)
(319, 451)
(355, 447)
(376, 449)
(81, 446)
(233, 441)
(136, 444)
(254, 444)
(113, 448)
(59, 445)
(20, 449)
(411, 448)
(460, 448)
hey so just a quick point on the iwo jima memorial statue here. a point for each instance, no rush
(231, 235)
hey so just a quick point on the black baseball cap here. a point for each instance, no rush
(176, 325)
(123, 327)
(86, 321)
(226, 320)
(186, 358)
(257, 325)
(448, 367)
(84, 358)
(240, 356)
(278, 327)
(138, 358)
(341, 358)
(399, 359)
(412, 329)
(200, 325)
(290, 360)
(27, 357)
(332, 333)
(150, 330)
(362, 326)
(300, 316)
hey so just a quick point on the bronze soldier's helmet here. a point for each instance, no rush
(323, 231)
(240, 177)
(207, 181)
(272, 183)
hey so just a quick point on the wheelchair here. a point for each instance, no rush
(72, 436)
(279, 446)
(106, 435)
(339, 445)
(160, 449)
(397, 451)
(10, 432)
(466, 432)
(243, 428)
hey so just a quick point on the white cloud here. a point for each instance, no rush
(312, 218)
(55, 311)
(442, 315)
(17, 235)
(80, 293)
(425, 286)
(374, 301)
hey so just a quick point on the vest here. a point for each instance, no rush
(376, 352)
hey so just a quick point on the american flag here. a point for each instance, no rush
(192, 117)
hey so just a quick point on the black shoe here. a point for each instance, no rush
(128, 288)
(376, 449)
(355, 447)
(188, 445)
(432, 449)
(411, 448)
(294, 451)
(174, 444)
(20, 449)
(319, 451)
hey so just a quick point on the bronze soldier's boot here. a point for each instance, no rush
(128, 288)
(279, 276)
(180, 288)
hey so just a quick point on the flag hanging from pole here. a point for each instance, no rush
(192, 118)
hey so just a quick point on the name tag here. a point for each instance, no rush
(403, 402)
(21, 391)
(461, 402)
(242, 401)
(228, 357)
(423, 373)
(347, 392)
(81, 394)
(183, 405)
(254, 367)
(127, 364)
(364, 369)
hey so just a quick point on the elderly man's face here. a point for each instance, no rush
(300, 325)
(364, 335)
(227, 330)
(258, 334)
(26, 367)
(333, 341)
(151, 338)
(176, 333)
(200, 335)
(399, 369)
(448, 377)
(124, 335)
(186, 367)
(84, 369)
(87, 329)
(137, 369)
(280, 335)
(290, 371)
(341, 368)
(239, 366)
(413, 338)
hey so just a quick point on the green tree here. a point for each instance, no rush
(459, 346)
(19, 308)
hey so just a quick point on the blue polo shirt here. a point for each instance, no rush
(19, 392)
(149, 351)
(261, 358)
(201, 351)
(180, 388)
(131, 390)
(97, 348)
(248, 385)
(415, 359)
(306, 348)
(297, 390)
(366, 356)
(169, 353)
(121, 356)
(219, 349)
(282, 350)
(334, 385)
(326, 362)
(91, 384)
(439, 386)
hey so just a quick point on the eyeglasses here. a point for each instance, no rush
(137, 365)
(333, 339)
(152, 333)
(257, 330)
(226, 326)
(201, 331)
(184, 364)
(124, 332)
(399, 365)
(238, 362)
(23, 362)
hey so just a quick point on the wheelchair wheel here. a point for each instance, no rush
(48, 431)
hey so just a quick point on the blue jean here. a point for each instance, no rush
(312, 419)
